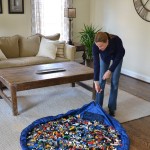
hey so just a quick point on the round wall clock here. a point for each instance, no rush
(142, 7)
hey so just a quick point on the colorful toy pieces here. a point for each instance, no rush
(73, 133)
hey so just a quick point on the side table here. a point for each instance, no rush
(79, 48)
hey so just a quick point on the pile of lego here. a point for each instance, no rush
(72, 133)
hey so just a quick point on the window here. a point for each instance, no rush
(51, 17)
(48, 17)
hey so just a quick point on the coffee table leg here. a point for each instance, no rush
(14, 101)
(1, 88)
(73, 84)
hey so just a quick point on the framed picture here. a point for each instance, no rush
(16, 6)
(1, 7)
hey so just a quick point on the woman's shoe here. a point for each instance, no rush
(112, 113)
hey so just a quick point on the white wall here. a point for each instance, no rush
(11, 24)
(82, 17)
(119, 17)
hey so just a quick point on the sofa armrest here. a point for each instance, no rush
(69, 52)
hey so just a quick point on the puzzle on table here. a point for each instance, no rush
(89, 127)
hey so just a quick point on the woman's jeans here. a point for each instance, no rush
(112, 104)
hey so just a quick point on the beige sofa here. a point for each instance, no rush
(18, 51)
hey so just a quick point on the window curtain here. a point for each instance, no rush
(38, 19)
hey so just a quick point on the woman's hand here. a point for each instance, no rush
(97, 87)
(107, 75)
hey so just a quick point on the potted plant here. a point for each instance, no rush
(87, 36)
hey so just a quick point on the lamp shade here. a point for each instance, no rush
(70, 12)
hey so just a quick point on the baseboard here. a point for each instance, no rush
(135, 75)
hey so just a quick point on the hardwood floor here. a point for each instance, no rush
(137, 130)
(136, 87)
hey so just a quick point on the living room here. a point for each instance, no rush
(117, 17)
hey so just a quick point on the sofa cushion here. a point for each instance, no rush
(53, 37)
(29, 46)
(47, 48)
(2, 56)
(28, 61)
(60, 49)
(9, 46)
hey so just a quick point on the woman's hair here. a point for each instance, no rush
(101, 37)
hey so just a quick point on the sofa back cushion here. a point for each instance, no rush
(53, 37)
(29, 46)
(9, 46)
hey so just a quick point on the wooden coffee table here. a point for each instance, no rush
(25, 78)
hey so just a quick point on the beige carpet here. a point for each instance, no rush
(37, 103)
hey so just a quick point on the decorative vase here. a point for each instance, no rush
(89, 63)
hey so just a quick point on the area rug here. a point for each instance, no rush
(51, 101)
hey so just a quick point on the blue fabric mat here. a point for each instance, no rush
(90, 108)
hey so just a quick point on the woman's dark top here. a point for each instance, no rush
(114, 51)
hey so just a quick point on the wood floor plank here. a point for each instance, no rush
(139, 133)
(136, 87)
(137, 130)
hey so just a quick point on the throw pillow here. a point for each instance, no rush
(2, 56)
(47, 48)
(60, 49)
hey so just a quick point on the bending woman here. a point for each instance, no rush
(108, 53)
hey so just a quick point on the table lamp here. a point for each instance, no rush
(70, 13)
